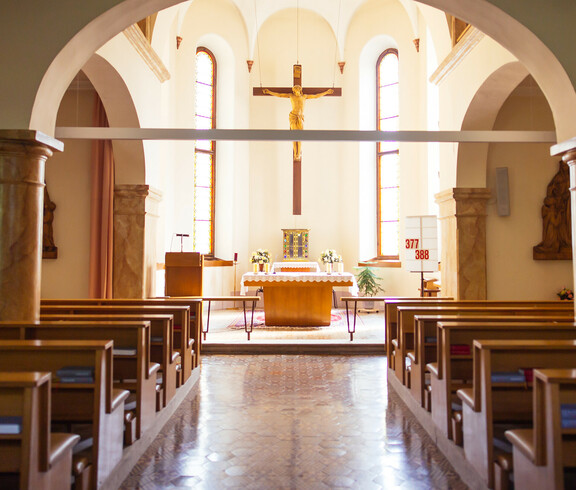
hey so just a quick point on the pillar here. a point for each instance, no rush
(463, 242)
(128, 277)
(23, 155)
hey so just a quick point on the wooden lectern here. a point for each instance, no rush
(184, 272)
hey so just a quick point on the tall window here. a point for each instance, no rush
(387, 168)
(204, 153)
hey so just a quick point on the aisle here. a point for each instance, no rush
(293, 422)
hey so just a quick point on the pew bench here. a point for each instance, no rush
(391, 312)
(77, 398)
(180, 336)
(31, 457)
(404, 343)
(499, 399)
(426, 344)
(542, 453)
(454, 368)
(133, 369)
(162, 349)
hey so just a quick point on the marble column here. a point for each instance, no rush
(567, 150)
(23, 155)
(463, 238)
(128, 276)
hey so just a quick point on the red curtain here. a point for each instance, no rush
(101, 211)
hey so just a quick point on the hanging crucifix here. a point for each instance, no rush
(297, 96)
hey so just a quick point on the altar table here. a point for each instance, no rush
(298, 298)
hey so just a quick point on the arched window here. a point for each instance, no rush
(204, 153)
(387, 156)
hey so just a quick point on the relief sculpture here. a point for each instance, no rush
(49, 249)
(556, 241)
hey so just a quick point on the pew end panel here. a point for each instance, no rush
(41, 459)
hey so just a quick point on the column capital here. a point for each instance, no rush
(463, 201)
(31, 137)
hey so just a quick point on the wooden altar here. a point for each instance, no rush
(296, 299)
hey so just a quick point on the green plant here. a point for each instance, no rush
(368, 282)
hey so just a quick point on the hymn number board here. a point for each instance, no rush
(295, 244)
(421, 243)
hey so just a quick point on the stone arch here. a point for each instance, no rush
(121, 111)
(539, 60)
(480, 115)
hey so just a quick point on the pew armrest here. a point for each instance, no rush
(432, 367)
(523, 440)
(61, 445)
(467, 396)
(153, 369)
(118, 398)
(395, 343)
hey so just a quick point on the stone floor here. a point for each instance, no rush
(293, 422)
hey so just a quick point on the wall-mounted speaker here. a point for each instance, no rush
(502, 193)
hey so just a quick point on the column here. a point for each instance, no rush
(567, 150)
(129, 275)
(23, 155)
(463, 238)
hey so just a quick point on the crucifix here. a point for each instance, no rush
(297, 96)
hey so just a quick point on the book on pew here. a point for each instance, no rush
(10, 424)
(156, 339)
(508, 377)
(528, 374)
(75, 374)
(123, 351)
(431, 340)
(568, 415)
(460, 350)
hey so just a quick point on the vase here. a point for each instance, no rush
(255, 267)
(261, 267)
(328, 267)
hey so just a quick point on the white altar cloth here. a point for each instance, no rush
(335, 278)
(295, 265)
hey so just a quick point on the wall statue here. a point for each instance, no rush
(49, 249)
(556, 241)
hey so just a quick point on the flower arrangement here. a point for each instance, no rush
(329, 256)
(566, 294)
(260, 256)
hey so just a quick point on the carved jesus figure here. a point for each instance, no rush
(297, 98)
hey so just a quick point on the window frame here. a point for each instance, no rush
(379, 154)
(211, 152)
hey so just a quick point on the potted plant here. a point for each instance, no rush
(368, 286)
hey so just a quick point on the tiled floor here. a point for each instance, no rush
(293, 422)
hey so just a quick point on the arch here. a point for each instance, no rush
(481, 114)
(121, 111)
(78, 50)
(538, 58)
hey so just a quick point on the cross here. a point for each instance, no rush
(311, 92)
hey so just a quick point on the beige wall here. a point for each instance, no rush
(68, 180)
(512, 273)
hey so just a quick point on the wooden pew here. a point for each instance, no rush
(453, 371)
(181, 339)
(426, 343)
(97, 403)
(391, 312)
(133, 368)
(543, 452)
(36, 458)
(502, 402)
(404, 343)
(161, 343)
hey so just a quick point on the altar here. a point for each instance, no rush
(298, 298)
